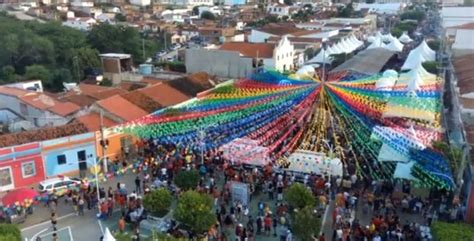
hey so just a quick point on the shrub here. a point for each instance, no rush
(10, 232)
(195, 211)
(298, 196)
(187, 180)
(158, 202)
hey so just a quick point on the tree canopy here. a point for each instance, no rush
(47, 50)
(305, 223)
(413, 15)
(443, 231)
(187, 180)
(298, 196)
(9, 232)
(195, 211)
(208, 15)
(158, 202)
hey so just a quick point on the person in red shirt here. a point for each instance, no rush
(267, 223)
(104, 208)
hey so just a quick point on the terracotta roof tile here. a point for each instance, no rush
(143, 101)
(467, 103)
(121, 108)
(151, 80)
(80, 99)
(11, 91)
(131, 86)
(464, 26)
(92, 121)
(252, 50)
(64, 108)
(106, 93)
(164, 94)
(39, 101)
(42, 134)
(192, 84)
(296, 39)
(91, 89)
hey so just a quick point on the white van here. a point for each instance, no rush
(58, 184)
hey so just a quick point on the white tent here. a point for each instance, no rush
(415, 83)
(415, 58)
(371, 39)
(322, 57)
(108, 236)
(405, 38)
(376, 44)
(306, 70)
(395, 46)
(347, 46)
(385, 83)
(387, 37)
(336, 49)
(356, 42)
(413, 73)
(390, 73)
(429, 54)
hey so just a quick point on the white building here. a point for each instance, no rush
(175, 15)
(200, 3)
(82, 4)
(381, 8)
(453, 16)
(140, 3)
(463, 42)
(263, 34)
(278, 56)
(279, 9)
(32, 85)
(83, 24)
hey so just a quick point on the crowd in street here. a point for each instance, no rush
(156, 166)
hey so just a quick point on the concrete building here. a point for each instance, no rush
(140, 3)
(454, 16)
(116, 66)
(261, 35)
(238, 59)
(280, 10)
(83, 24)
(463, 42)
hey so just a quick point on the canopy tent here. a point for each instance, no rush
(306, 70)
(324, 57)
(371, 39)
(385, 83)
(428, 53)
(108, 235)
(387, 37)
(313, 162)
(395, 46)
(416, 71)
(376, 44)
(405, 38)
(415, 58)
(269, 116)
(356, 41)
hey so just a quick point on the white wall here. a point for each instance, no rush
(140, 2)
(258, 36)
(200, 3)
(278, 10)
(283, 55)
(25, 85)
(6, 116)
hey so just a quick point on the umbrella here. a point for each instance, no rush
(21, 196)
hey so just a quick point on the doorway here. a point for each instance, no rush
(81, 159)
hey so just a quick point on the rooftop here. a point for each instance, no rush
(297, 39)
(42, 134)
(369, 61)
(464, 73)
(121, 108)
(64, 108)
(92, 121)
(279, 29)
(252, 50)
(116, 56)
(164, 94)
(143, 101)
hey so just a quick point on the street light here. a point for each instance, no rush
(324, 46)
(202, 135)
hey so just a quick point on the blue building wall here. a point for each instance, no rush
(235, 2)
(72, 163)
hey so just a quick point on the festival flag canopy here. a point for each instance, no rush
(380, 133)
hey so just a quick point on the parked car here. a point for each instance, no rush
(58, 184)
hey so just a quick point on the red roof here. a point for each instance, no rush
(64, 108)
(464, 26)
(11, 91)
(121, 108)
(92, 121)
(253, 50)
(164, 94)
(106, 93)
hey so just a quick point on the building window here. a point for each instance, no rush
(28, 169)
(61, 159)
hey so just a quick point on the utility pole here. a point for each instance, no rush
(143, 48)
(103, 142)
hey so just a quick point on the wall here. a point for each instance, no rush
(68, 146)
(140, 2)
(218, 62)
(7, 116)
(283, 54)
(20, 166)
(258, 36)
(114, 149)
(235, 2)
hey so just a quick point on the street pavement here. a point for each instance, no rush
(82, 228)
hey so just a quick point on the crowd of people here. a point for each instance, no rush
(156, 166)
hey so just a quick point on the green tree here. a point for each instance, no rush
(443, 231)
(9, 232)
(298, 196)
(187, 180)
(195, 10)
(431, 66)
(413, 15)
(38, 72)
(158, 202)
(397, 32)
(7, 74)
(208, 15)
(434, 44)
(195, 211)
(305, 223)
(288, 2)
(60, 76)
(120, 17)
(347, 11)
